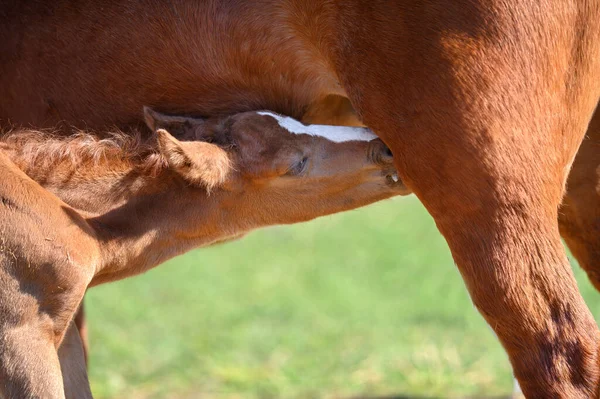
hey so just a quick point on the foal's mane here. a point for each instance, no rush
(117, 150)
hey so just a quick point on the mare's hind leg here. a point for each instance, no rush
(579, 217)
(484, 117)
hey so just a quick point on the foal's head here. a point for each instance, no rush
(276, 162)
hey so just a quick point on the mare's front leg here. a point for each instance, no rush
(484, 105)
(579, 216)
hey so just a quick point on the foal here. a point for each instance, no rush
(76, 212)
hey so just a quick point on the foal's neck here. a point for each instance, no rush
(142, 212)
(90, 174)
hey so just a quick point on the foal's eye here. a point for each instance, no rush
(298, 168)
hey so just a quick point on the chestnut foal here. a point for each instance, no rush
(80, 211)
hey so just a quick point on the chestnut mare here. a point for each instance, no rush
(484, 104)
(78, 211)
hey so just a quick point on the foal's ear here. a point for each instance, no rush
(177, 125)
(198, 162)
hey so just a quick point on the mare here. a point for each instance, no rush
(484, 104)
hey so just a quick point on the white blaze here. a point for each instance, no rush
(337, 134)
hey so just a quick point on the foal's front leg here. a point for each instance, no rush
(33, 333)
(81, 325)
(73, 365)
(47, 259)
(29, 366)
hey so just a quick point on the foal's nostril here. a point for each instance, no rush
(379, 153)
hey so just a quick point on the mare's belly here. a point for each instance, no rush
(98, 69)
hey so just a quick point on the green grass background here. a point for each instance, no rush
(360, 304)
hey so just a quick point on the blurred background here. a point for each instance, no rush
(363, 304)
